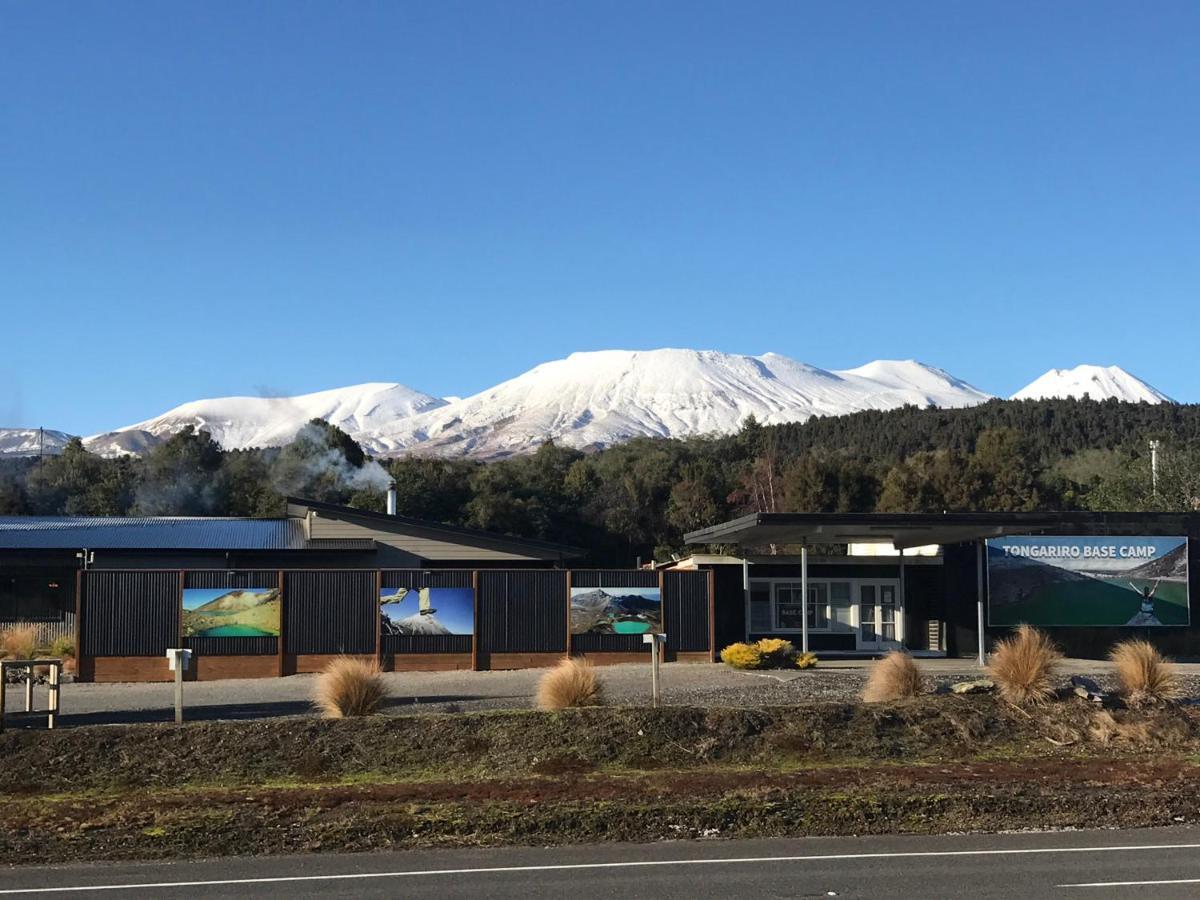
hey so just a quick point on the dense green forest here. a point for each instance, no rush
(639, 498)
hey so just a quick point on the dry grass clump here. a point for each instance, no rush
(19, 642)
(1023, 665)
(1105, 728)
(349, 687)
(573, 682)
(742, 656)
(62, 648)
(895, 677)
(1147, 678)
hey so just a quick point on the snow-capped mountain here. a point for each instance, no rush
(600, 398)
(241, 422)
(31, 441)
(1097, 382)
(587, 400)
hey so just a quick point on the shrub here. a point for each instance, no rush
(1146, 676)
(62, 648)
(19, 642)
(895, 677)
(806, 661)
(349, 687)
(1022, 666)
(742, 656)
(571, 683)
(776, 652)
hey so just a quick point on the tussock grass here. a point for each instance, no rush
(895, 677)
(1023, 666)
(349, 687)
(19, 642)
(573, 682)
(1147, 677)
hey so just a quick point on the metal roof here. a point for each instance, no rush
(149, 533)
(905, 530)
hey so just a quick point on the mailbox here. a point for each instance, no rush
(179, 659)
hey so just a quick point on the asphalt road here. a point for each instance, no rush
(1097, 864)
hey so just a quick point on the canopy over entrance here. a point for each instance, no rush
(907, 530)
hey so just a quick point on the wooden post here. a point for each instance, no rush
(378, 619)
(712, 617)
(662, 612)
(475, 624)
(279, 640)
(179, 689)
(78, 623)
(29, 688)
(3, 690)
(569, 614)
(654, 653)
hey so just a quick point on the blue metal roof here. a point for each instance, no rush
(156, 533)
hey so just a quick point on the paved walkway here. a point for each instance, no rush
(683, 684)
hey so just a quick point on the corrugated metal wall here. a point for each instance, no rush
(330, 612)
(686, 610)
(130, 613)
(612, 578)
(232, 646)
(522, 612)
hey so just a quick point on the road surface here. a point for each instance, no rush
(1095, 864)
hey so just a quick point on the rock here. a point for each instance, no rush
(978, 686)
(1087, 689)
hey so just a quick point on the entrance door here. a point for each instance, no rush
(878, 617)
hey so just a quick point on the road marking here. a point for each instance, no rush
(568, 867)
(1105, 884)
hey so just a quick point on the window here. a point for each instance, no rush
(760, 607)
(841, 607)
(789, 607)
(818, 606)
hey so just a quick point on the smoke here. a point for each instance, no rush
(309, 466)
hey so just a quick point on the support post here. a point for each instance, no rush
(179, 692)
(804, 591)
(655, 641)
(746, 591)
(3, 691)
(29, 688)
(979, 558)
(902, 596)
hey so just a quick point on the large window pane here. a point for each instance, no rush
(760, 607)
(818, 606)
(841, 608)
(789, 607)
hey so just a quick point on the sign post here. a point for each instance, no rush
(655, 641)
(179, 660)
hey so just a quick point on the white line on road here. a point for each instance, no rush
(1109, 884)
(567, 867)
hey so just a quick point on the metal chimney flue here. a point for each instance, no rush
(391, 501)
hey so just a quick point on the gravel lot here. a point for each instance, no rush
(683, 684)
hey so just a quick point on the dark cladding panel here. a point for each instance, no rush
(129, 613)
(522, 612)
(419, 578)
(594, 578)
(685, 610)
(427, 643)
(608, 643)
(241, 578)
(329, 612)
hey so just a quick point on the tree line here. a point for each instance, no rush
(639, 498)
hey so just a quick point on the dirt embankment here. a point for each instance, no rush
(936, 764)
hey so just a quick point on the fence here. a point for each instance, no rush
(261, 623)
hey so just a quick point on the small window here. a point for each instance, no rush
(760, 607)
(818, 606)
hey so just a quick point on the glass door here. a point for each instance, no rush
(878, 617)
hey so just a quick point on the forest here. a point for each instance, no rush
(636, 500)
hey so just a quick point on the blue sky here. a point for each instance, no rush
(239, 198)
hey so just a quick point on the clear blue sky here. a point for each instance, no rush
(199, 199)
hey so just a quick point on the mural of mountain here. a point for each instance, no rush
(598, 611)
(234, 613)
(1172, 566)
(418, 624)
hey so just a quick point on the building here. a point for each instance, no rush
(1090, 579)
(268, 597)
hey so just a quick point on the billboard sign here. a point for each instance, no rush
(437, 610)
(231, 612)
(616, 610)
(1088, 581)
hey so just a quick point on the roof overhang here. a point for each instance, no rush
(907, 530)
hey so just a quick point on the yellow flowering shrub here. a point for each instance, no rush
(742, 656)
(806, 660)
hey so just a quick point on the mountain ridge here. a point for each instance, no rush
(587, 400)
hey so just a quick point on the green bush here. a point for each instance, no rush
(63, 648)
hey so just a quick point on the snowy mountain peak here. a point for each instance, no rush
(242, 422)
(1097, 382)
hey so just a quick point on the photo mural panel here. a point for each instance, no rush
(428, 610)
(616, 610)
(1088, 581)
(231, 612)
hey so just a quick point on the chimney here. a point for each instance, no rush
(391, 501)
